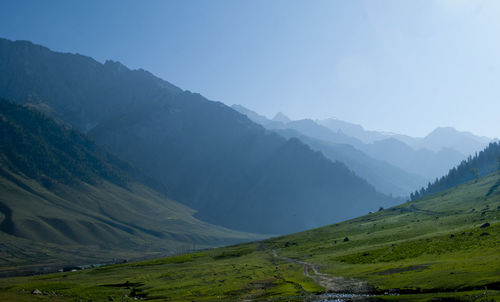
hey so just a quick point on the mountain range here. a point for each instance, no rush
(230, 170)
(100, 163)
(441, 137)
(391, 162)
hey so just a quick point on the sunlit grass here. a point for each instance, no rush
(434, 247)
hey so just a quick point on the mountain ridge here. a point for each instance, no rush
(207, 155)
(428, 157)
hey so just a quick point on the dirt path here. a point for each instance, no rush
(331, 284)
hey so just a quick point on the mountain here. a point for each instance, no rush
(385, 177)
(232, 171)
(353, 130)
(404, 152)
(280, 117)
(306, 127)
(431, 155)
(448, 137)
(310, 128)
(254, 116)
(418, 160)
(66, 200)
(392, 166)
(441, 248)
(479, 165)
(463, 142)
(423, 162)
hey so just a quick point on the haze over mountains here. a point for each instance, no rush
(362, 164)
(100, 163)
(391, 162)
(208, 156)
(224, 166)
(440, 138)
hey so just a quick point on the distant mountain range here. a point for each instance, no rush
(401, 161)
(232, 171)
(385, 177)
(441, 138)
(66, 200)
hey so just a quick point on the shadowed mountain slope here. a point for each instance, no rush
(207, 155)
(336, 146)
(385, 177)
(61, 193)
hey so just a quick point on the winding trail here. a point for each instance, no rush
(331, 284)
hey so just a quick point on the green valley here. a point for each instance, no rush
(446, 246)
(131, 168)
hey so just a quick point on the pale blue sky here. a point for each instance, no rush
(401, 66)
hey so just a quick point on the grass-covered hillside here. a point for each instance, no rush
(481, 164)
(445, 247)
(66, 201)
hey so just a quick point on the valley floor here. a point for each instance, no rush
(443, 248)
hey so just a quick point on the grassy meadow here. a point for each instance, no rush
(445, 247)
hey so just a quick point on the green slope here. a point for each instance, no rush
(481, 164)
(437, 247)
(88, 224)
(66, 201)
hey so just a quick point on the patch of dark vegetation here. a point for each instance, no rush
(485, 225)
(493, 189)
(232, 253)
(262, 284)
(137, 293)
(7, 224)
(402, 269)
(487, 286)
(183, 258)
(126, 284)
(71, 268)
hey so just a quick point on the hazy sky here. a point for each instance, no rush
(401, 66)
